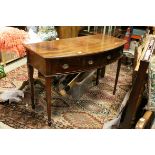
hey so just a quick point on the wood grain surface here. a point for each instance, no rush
(77, 46)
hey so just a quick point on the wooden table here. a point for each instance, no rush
(70, 56)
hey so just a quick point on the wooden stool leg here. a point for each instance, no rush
(48, 98)
(31, 82)
(117, 75)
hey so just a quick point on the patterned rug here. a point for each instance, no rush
(97, 106)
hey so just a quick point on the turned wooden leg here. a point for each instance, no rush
(117, 75)
(31, 82)
(48, 98)
(103, 71)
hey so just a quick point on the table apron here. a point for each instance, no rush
(52, 66)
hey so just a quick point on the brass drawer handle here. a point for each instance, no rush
(90, 62)
(109, 57)
(65, 66)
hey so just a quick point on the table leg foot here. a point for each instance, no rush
(49, 123)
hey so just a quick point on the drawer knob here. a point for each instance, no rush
(90, 62)
(65, 66)
(109, 57)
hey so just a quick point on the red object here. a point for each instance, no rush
(127, 38)
(136, 37)
(12, 39)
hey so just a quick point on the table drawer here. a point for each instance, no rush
(83, 63)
